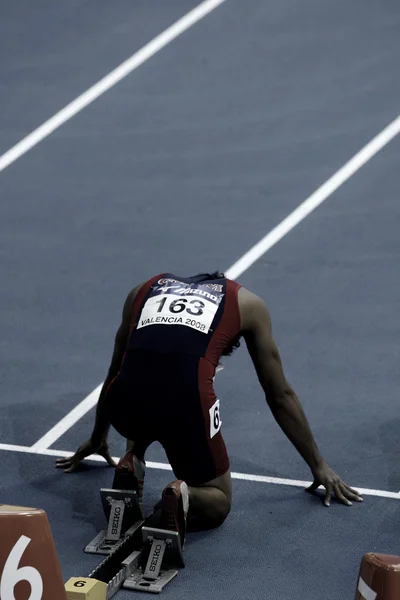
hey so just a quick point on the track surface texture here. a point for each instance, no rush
(183, 166)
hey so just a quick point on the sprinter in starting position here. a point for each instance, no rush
(159, 387)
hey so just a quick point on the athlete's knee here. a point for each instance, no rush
(218, 511)
(222, 510)
(208, 507)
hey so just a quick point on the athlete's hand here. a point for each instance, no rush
(333, 484)
(70, 463)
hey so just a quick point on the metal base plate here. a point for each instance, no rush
(137, 582)
(99, 545)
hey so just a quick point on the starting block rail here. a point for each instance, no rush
(107, 578)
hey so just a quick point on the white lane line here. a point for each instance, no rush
(272, 238)
(299, 483)
(68, 421)
(65, 453)
(167, 467)
(107, 82)
(317, 198)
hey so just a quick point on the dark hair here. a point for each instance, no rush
(208, 276)
(217, 275)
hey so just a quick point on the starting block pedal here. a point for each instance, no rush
(124, 516)
(160, 557)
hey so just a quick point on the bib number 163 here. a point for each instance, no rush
(167, 309)
(193, 307)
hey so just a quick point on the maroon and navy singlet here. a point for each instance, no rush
(180, 328)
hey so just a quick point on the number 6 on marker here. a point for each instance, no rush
(13, 575)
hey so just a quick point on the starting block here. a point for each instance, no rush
(145, 561)
(124, 516)
(158, 561)
(138, 557)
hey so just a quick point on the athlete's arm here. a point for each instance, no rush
(102, 424)
(98, 440)
(281, 398)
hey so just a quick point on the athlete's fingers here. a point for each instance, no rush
(63, 459)
(63, 462)
(353, 494)
(71, 468)
(340, 495)
(69, 464)
(74, 462)
(328, 495)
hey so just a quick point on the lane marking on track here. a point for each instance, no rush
(316, 199)
(109, 81)
(68, 421)
(252, 255)
(167, 467)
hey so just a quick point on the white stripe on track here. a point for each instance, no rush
(68, 421)
(167, 467)
(315, 200)
(248, 259)
(114, 77)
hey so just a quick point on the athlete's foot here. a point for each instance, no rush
(175, 507)
(129, 475)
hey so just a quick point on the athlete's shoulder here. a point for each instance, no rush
(253, 310)
(133, 292)
(148, 283)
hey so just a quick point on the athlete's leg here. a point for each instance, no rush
(202, 463)
(131, 469)
(195, 507)
(210, 503)
(137, 448)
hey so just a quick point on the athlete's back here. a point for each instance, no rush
(180, 327)
(186, 315)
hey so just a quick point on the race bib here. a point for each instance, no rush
(180, 304)
(215, 419)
